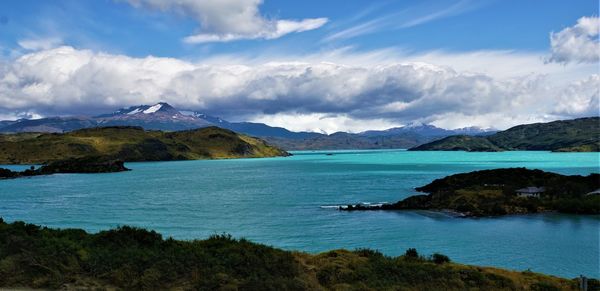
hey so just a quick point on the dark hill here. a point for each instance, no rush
(581, 135)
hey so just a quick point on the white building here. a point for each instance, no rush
(530, 192)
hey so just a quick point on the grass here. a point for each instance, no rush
(130, 258)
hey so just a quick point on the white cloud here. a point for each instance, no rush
(456, 8)
(578, 43)
(324, 123)
(34, 44)
(418, 15)
(229, 20)
(352, 91)
(580, 98)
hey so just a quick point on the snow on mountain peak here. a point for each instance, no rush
(415, 124)
(132, 112)
(153, 108)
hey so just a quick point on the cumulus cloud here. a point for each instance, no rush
(580, 98)
(300, 94)
(578, 43)
(229, 20)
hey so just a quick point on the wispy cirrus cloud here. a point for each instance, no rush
(231, 20)
(454, 9)
(400, 19)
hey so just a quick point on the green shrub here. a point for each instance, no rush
(439, 258)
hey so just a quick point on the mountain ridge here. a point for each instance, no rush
(163, 116)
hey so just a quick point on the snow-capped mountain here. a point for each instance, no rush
(427, 130)
(415, 128)
(474, 130)
(158, 108)
(162, 116)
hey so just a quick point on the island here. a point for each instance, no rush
(130, 258)
(576, 135)
(85, 165)
(501, 192)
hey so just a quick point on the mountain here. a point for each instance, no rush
(428, 130)
(162, 116)
(51, 124)
(418, 128)
(252, 128)
(581, 135)
(344, 140)
(398, 137)
(132, 144)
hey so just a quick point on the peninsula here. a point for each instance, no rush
(501, 192)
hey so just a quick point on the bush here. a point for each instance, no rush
(440, 259)
(411, 253)
(131, 258)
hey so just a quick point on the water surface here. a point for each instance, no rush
(279, 201)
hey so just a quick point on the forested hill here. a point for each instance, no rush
(577, 135)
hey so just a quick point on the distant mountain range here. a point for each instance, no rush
(576, 135)
(162, 116)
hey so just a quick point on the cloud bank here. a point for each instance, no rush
(298, 93)
(578, 43)
(230, 20)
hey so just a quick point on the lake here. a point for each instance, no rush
(286, 203)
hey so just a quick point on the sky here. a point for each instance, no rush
(321, 66)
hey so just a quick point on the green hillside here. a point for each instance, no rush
(132, 144)
(582, 135)
(130, 258)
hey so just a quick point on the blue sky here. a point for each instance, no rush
(120, 28)
(503, 42)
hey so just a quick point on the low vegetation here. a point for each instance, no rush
(132, 144)
(577, 135)
(493, 192)
(129, 258)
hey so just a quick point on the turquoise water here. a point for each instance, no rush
(283, 202)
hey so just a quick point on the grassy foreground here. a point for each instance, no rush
(131, 258)
(132, 144)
